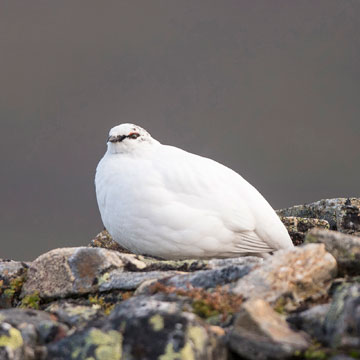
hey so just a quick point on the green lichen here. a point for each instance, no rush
(157, 322)
(13, 341)
(31, 301)
(108, 345)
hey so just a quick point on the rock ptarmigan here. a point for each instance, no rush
(162, 201)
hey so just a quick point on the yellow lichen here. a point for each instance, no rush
(108, 345)
(13, 341)
(170, 354)
(198, 336)
(157, 322)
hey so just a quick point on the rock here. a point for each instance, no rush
(105, 241)
(342, 322)
(343, 214)
(261, 333)
(311, 320)
(291, 274)
(208, 278)
(120, 280)
(12, 275)
(37, 327)
(165, 332)
(298, 227)
(11, 343)
(74, 315)
(73, 271)
(345, 249)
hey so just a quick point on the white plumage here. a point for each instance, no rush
(162, 201)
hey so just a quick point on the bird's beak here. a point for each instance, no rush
(115, 139)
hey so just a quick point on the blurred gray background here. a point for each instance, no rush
(269, 88)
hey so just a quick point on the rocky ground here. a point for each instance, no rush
(99, 302)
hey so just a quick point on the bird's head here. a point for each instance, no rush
(126, 138)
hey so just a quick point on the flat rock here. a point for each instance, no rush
(345, 248)
(119, 280)
(294, 274)
(343, 214)
(298, 227)
(261, 333)
(143, 328)
(208, 278)
(74, 271)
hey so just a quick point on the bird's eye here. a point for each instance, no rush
(133, 135)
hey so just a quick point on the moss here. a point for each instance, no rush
(157, 322)
(13, 341)
(203, 309)
(14, 287)
(31, 301)
(106, 306)
(205, 304)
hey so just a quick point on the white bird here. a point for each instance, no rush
(162, 201)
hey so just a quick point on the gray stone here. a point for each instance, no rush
(343, 214)
(73, 271)
(37, 327)
(119, 280)
(208, 278)
(298, 227)
(311, 320)
(342, 322)
(292, 274)
(261, 333)
(74, 315)
(143, 328)
(345, 249)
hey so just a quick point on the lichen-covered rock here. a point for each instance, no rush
(143, 328)
(345, 248)
(11, 343)
(342, 322)
(12, 276)
(36, 328)
(261, 333)
(298, 227)
(294, 274)
(343, 214)
(73, 314)
(74, 271)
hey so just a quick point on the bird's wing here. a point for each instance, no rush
(207, 185)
